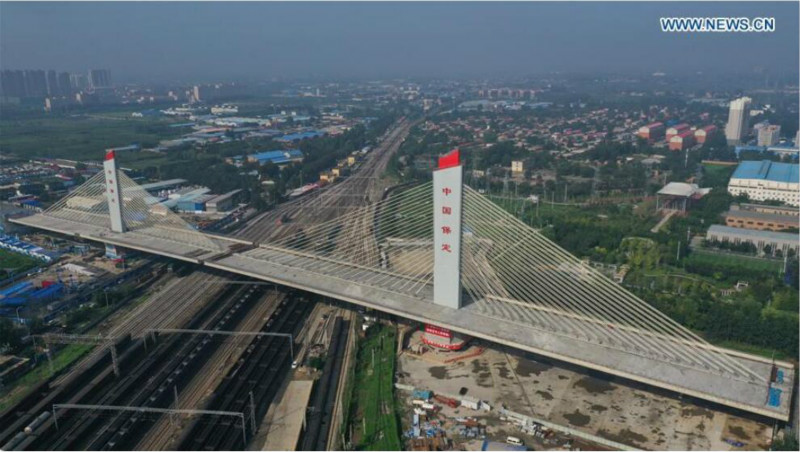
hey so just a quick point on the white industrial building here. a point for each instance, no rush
(782, 241)
(766, 180)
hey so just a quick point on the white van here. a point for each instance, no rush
(514, 441)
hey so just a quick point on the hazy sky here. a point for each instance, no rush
(263, 40)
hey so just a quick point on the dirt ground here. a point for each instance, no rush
(591, 403)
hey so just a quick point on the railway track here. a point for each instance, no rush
(251, 384)
(318, 421)
(146, 377)
(202, 385)
(332, 201)
(171, 307)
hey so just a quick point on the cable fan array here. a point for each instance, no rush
(509, 270)
(142, 213)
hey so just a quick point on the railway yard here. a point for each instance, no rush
(210, 361)
(182, 383)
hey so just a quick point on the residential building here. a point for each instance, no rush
(766, 180)
(36, 83)
(517, 166)
(769, 135)
(702, 134)
(52, 84)
(652, 131)
(682, 141)
(99, 78)
(78, 81)
(738, 115)
(64, 83)
(12, 84)
(677, 129)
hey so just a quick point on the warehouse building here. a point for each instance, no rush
(278, 157)
(223, 203)
(760, 239)
(748, 219)
(766, 180)
(170, 184)
(762, 217)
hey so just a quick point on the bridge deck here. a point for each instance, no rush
(502, 324)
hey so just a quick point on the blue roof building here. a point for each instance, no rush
(766, 180)
(278, 157)
(301, 136)
(768, 171)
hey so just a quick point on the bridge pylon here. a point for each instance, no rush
(113, 192)
(448, 197)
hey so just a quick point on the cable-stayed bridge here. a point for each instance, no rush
(441, 253)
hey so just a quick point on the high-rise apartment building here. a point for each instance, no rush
(77, 81)
(36, 83)
(64, 83)
(769, 135)
(52, 84)
(12, 84)
(99, 78)
(737, 120)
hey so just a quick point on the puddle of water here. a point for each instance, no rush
(545, 395)
(598, 408)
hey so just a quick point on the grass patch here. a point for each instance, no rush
(20, 388)
(717, 175)
(374, 415)
(15, 262)
(701, 257)
(81, 137)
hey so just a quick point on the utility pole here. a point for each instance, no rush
(678, 257)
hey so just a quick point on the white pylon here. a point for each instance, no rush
(447, 200)
(113, 192)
